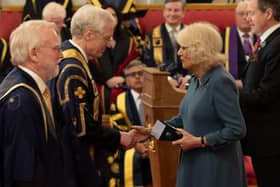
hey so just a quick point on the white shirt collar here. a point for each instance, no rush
(265, 35)
(135, 95)
(240, 33)
(39, 81)
(80, 49)
(169, 28)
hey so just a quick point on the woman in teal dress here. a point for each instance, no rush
(209, 117)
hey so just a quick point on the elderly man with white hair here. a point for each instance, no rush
(56, 13)
(29, 146)
(77, 101)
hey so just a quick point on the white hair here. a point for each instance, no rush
(54, 10)
(90, 17)
(25, 37)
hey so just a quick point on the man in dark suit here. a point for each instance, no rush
(234, 39)
(260, 95)
(77, 100)
(30, 152)
(160, 44)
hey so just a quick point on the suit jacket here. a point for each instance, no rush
(160, 44)
(78, 112)
(30, 149)
(260, 99)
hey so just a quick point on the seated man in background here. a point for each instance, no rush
(161, 46)
(56, 13)
(127, 111)
(33, 9)
(238, 42)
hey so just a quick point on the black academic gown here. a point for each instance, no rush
(30, 150)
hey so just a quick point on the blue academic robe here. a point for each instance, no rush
(78, 114)
(30, 149)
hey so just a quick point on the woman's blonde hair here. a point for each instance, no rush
(204, 44)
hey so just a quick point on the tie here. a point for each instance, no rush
(247, 48)
(141, 111)
(47, 97)
(256, 46)
(254, 56)
(174, 44)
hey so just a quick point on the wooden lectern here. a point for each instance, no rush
(161, 101)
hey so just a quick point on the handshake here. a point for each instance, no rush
(161, 131)
(131, 138)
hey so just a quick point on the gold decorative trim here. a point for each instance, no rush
(227, 38)
(128, 168)
(122, 108)
(157, 44)
(66, 98)
(127, 6)
(83, 123)
(34, 6)
(96, 3)
(65, 3)
(4, 50)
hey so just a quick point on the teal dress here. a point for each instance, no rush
(211, 109)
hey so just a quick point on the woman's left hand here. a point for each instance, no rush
(188, 141)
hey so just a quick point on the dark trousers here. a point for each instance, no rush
(267, 170)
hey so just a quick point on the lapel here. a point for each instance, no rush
(132, 112)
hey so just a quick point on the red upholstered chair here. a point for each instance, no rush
(219, 15)
(9, 20)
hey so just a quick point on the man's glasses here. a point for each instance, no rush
(55, 48)
(134, 74)
(108, 38)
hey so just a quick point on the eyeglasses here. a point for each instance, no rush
(134, 74)
(56, 48)
(108, 38)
